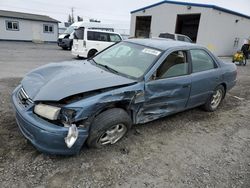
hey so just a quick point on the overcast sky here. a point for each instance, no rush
(108, 11)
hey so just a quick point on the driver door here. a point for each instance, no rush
(169, 89)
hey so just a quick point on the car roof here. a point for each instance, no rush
(161, 43)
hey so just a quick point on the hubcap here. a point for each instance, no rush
(216, 98)
(112, 135)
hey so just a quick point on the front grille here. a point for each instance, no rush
(59, 40)
(24, 98)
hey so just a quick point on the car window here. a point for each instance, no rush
(98, 36)
(180, 38)
(201, 61)
(127, 58)
(186, 39)
(174, 65)
(167, 35)
(114, 38)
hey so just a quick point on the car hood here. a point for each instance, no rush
(63, 35)
(56, 81)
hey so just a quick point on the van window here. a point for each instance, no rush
(114, 38)
(79, 33)
(98, 36)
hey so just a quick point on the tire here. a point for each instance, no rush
(113, 123)
(215, 99)
(92, 53)
(70, 46)
(64, 48)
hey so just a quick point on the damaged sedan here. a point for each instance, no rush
(62, 106)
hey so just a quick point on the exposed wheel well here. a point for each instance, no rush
(225, 88)
(123, 105)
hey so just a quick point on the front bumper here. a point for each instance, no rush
(64, 43)
(46, 137)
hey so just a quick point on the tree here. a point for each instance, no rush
(79, 19)
(70, 19)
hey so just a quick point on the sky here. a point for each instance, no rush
(108, 11)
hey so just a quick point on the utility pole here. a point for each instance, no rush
(72, 14)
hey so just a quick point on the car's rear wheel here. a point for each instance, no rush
(109, 127)
(215, 99)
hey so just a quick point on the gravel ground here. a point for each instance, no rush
(190, 149)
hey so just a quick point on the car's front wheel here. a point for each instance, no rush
(109, 127)
(215, 99)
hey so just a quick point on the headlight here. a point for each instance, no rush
(47, 111)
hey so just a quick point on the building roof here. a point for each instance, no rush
(26, 16)
(195, 5)
(160, 43)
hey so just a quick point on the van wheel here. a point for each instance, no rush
(109, 127)
(92, 53)
(215, 99)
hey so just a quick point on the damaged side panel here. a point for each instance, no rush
(130, 98)
(164, 97)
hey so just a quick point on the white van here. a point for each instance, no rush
(65, 40)
(91, 38)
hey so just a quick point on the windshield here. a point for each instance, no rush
(128, 58)
(70, 29)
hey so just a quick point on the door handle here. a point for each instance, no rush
(186, 86)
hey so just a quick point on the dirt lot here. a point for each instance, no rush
(189, 149)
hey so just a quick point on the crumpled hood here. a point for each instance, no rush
(56, 81)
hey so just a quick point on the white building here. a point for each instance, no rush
(27, 27)
(221, 30)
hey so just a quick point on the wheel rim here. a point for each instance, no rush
(113, 135)
(216, 98)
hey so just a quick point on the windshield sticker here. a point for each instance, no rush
(151, 51)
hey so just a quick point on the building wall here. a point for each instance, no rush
(222, 31)
(28, 31)
(217, 30)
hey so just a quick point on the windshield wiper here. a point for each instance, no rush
(106, 67)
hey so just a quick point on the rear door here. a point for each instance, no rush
(168, 91)
(78, 41)
(205, 77)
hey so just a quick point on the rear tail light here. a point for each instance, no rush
(84, 44)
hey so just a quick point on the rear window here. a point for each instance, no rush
(98, 36)
(180, 38)
(201, 61)
(114, 38)
(79, 33)
(167, 35)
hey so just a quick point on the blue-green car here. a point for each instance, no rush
(61, 106)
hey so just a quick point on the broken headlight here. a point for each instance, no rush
(47, 111)
(67, 115)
